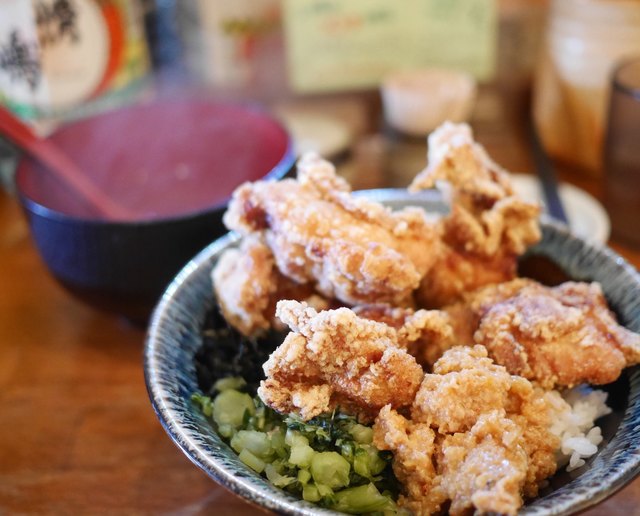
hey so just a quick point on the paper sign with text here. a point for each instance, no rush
(335, 45)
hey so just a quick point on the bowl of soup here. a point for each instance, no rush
(172, 164)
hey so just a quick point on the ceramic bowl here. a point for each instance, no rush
(174, 337)
(415, 102)
(176, 162)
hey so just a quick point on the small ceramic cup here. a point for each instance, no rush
(417, 101)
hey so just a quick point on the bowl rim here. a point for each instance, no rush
(284, 165)
(185, 438)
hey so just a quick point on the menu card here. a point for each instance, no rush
(335, 45)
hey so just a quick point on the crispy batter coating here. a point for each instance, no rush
(464, 385)
(248, 284)
(464, 318)
(357, 251)
(457, 272)
(488, 226)
(414, 452)
(349, 248)
(487, 215)
(416, 330)
(533, 417)
(478, 437)
(484, 468)
(335, 358)
(557, 336)
(244, 280)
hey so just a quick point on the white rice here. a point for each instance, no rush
(573, 415)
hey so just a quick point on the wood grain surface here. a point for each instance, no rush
(77, 432)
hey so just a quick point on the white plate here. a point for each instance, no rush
(587, 217)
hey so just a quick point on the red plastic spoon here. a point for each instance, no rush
(55, 161)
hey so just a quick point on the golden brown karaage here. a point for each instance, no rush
(417, 330)
(349, 248)
(477, 437)
(335, 358)
(557, 336)
(488, 227)
(248, 285)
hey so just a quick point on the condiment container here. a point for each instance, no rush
(584, 39)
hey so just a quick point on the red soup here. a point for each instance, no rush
(164, 159)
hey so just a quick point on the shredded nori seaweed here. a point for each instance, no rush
(225, 352)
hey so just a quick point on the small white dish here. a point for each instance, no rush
(587, 217)
(417, 101)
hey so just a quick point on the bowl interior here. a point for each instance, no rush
(165, 158)
(176, 365)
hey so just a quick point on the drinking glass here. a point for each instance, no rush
(622, 153)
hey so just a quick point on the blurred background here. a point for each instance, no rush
(321, 66)
(318, 65)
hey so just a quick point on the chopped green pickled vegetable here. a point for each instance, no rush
(230, 407)
(293, 438)
(325, 491)
(362, 434)
(304, 476)
(226, 430)
(276, 478)
(310, 493)
(361, 499)
(232, 382)
(330, 469)
(329, 460)
(367, 462)
(205, 402)
(278, 444)
(252, 461)
(257, 443)
(301, 455)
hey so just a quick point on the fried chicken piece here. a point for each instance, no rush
(352, 249)
(464, 318)
(464, 385)
(414, 450)
(416, 330)
(556, 336)
(486, 214)
(490, 442)
(457, 272)
(335, 358)
(467, 384)
(534, 418)
(488, 226)
(247, 285)
(484, 468)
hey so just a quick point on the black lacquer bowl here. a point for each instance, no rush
(175, 338)
(147, 153)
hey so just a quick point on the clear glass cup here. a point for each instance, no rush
(622, 153)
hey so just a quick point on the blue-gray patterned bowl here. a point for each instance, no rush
(175, 336)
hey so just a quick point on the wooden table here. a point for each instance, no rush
(77, 432)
